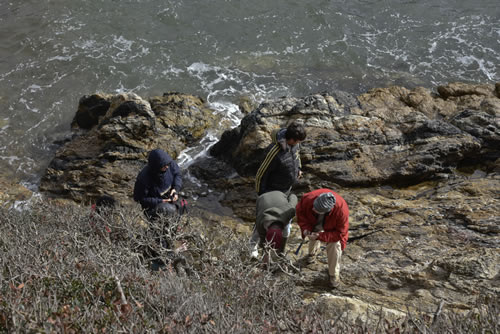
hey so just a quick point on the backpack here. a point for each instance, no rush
(182, 206)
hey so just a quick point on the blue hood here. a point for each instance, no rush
(150, 184)
(158, 159)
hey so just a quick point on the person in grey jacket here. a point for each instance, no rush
(275, 210)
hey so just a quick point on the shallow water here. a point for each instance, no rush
(53, 52)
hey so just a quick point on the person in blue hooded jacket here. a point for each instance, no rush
(158, 183)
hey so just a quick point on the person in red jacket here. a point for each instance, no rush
(323, 215)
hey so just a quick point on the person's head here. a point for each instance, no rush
(295, 133)
(274, 236)
(164, 169)
(324, 203)
(159, 161)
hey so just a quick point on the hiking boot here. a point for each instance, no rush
(334, 282)
(310, 259)
(254, 254)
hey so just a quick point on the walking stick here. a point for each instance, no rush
(298, 248)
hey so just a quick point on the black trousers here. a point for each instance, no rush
(161, 209)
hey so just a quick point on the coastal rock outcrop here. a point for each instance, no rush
(420, 171)
(112, 137)
(388, 136)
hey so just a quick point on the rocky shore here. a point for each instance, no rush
(419, 169)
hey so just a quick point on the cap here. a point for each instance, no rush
(324, 203)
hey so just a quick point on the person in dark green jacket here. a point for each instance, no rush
(275, 211)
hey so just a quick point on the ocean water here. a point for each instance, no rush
(52, 52)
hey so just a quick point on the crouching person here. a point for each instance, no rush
(157, 185)
(274, 213)
(156, 189)
(324, 216)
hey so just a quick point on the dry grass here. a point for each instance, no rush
(65, 271)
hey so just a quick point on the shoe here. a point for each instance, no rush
(254, 254)
(334, 282)
(310, 259)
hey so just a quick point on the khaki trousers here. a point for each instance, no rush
(333, 252)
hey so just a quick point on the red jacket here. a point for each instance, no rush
(336, 224)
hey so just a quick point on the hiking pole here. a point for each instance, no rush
(298, 248)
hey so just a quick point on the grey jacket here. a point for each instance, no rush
(274, 206)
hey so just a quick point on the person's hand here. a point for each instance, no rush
(306, 233)
(313, 236)
(173, 195)
(168, 200)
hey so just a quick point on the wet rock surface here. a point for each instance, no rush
(420, 171)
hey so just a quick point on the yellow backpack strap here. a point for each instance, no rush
(265, 164)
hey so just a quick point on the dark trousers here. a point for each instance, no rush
(161, 209)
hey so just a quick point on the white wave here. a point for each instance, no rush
(172, 70)
(198, 68)
(34, 88)
(123, 89)
(230, 111)
(86, 44)
(262, 53)
(295, 50)
(10, 159)
(121, 43)
(225, 83)
(127, 50)
(433, 47)
(214, 79)
(60, 58)
(483, 65)
(189, 155)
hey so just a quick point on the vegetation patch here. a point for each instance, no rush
(66, 269)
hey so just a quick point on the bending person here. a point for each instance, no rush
(324, 216)
(275, 210)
